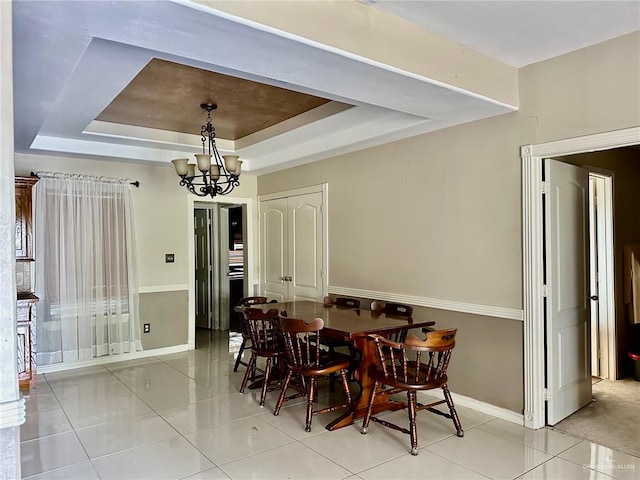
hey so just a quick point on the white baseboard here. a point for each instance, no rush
(59, 367)
(483, 407)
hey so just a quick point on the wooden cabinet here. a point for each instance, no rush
(26, 347)
(26, 306)
(24, 220)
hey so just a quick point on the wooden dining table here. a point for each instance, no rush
(353, 325)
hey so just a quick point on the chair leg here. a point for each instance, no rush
(452, 411)
(413, 430)
(283, 392)
(367, 416)
(250, 368)
(239, 357)
(345, 385)
(311, 391)
(265, 381)
(332, 376)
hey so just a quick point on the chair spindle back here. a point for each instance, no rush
(261, 328)
(301, 341)
(417, 362)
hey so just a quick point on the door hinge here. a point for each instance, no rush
(545, 291)
(546, 395)
(544, 186)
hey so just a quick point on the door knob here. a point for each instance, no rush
(289, 279)
(594, 297)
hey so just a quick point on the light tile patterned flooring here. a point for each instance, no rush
(181, 416)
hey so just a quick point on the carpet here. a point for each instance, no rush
(611, 419)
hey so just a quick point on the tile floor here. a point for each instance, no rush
(181, 417)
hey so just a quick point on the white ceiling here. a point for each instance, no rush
(72, 58)
(520, 32)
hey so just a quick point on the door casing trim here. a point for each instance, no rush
(532, 255)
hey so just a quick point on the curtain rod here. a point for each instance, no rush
(135, 184)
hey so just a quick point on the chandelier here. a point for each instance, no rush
(214, 177)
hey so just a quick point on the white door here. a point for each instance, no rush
(567, 277)
(602, 283)
(222, 270)
(292, 247)
(202, 268)
(273, 226)
(305, 247)
(593, 278)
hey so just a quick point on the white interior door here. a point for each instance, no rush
(224, 303)
(593, 278)
(567, 276)
(202, 268)
(602, 305)
(305, 247)
(273, 226)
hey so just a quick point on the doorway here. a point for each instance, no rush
(221, 266)
(613, 399)
(534, 289)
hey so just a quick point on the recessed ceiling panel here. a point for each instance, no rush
(167, 96)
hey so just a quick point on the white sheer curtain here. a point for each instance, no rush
(86, 273)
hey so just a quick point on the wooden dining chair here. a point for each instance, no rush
(396, 310)
(341, 302)
(413, 366)
(338, 302)
(246, 338)
(305, 358)
(333, 343)
(265, 343)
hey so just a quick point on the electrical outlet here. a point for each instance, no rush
(169, 257)
(146, 328)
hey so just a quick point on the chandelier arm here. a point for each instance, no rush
(184, 182)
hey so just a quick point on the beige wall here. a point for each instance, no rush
(419, 208)
(439, 215)
(592, 90)
(166, 314)
(625, 165)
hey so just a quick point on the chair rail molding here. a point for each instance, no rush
(473, 308)
(163, 288)
(532, 157)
